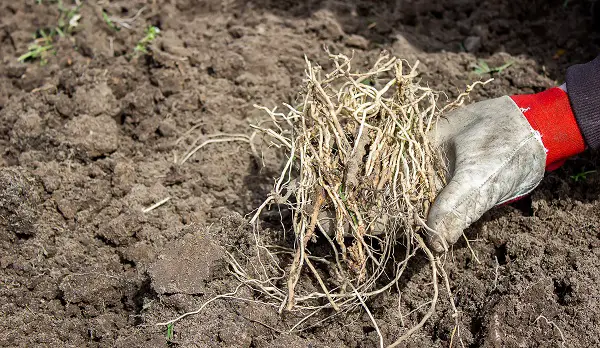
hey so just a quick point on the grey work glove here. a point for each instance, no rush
(493, 156)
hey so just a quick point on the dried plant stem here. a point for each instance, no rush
(362, 302)
(321, 283)
(228, 295)
(455, 315)
(550, 322)
(192, 151)
(300, 252)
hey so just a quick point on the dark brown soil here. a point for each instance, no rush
(88, 141)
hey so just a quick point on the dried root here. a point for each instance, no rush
(360, 173)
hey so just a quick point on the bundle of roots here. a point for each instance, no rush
(360, 175)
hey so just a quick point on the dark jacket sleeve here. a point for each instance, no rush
(583, 87)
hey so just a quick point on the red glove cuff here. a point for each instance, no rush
(551, 115)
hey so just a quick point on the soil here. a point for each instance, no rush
(90, 139)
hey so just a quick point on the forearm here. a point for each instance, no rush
(583, 86)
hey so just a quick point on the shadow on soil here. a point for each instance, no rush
(533, 28)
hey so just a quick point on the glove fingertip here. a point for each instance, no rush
(437, 241)
(437, 245)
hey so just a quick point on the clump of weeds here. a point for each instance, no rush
(582, 176)
(39, 48)
(151, 34)
(482, 68)
(44, 39)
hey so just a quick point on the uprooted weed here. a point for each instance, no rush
(361, 174)
(360, 168)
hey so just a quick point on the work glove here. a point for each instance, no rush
(496, 152)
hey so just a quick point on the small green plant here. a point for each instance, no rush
(482, 67)
(38, 49)
(42, 45)
(109, 21)
(151, 35)
(170, 332)
(582, 176)
(368, 82)
(68, 18)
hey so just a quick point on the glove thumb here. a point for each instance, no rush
(458, 205)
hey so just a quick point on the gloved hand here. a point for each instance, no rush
(496, 152)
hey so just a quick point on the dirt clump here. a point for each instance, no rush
(20, 198)
(95, 136)
(185, 266)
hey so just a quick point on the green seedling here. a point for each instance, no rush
(109, 22)
(342, 194)
(151, 35)
(68, 19)
(38, 49)
(368, 82)
(582, 176)
(42, 44)
(482, 67)
(170, 332)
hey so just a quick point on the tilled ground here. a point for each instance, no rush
(93, 136)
